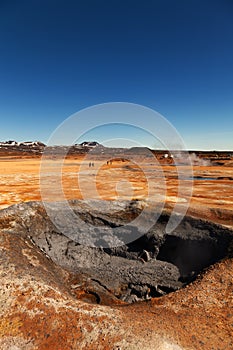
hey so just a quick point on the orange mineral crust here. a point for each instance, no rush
(45, 303)
(40, 311)
(212, 186)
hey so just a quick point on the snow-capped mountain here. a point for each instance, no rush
(90, 144)
(27, 146)
(11, 143)
(38, 147)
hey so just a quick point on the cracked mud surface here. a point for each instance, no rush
(48, 300)
(151, 266)
(43, 305)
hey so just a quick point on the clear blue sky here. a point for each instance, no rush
(175, 56)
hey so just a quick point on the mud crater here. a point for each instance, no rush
(153, 265)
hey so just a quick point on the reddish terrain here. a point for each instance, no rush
(38, 308)
(212, 196)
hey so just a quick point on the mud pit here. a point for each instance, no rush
(151, 266)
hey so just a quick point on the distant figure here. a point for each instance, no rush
(107, 162)
(92, 164)
(89, 164)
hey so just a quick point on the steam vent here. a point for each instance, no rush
(160, 291)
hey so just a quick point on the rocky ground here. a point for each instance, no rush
(58, 294)
(71, 286)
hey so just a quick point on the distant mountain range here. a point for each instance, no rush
(27, 146)
(22, 144)
(38, 147)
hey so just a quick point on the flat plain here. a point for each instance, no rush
(211, 185)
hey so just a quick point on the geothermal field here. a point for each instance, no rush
(88, 261)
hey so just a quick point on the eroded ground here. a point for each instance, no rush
(42, 304)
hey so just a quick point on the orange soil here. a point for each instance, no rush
(38, 311)
(211, 199)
